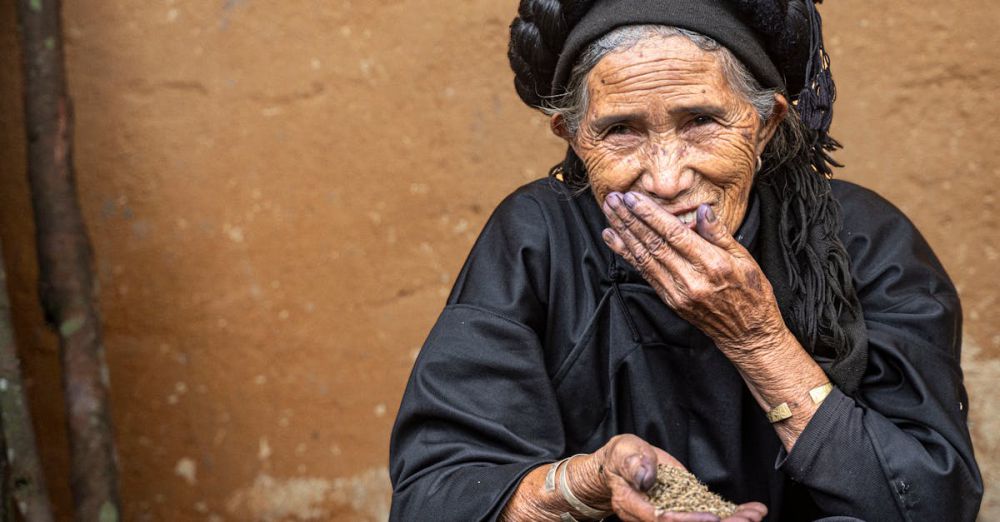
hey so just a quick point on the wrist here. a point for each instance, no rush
(770, 341)
(587, 479)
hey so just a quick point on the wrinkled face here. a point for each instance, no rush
(663, 120)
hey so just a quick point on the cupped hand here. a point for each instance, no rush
(749, 512)
(628, 466)
(703, 274)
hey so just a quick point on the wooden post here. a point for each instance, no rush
(66, 283)
(25, 480)
(6, 500)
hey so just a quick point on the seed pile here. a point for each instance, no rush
(679, 490)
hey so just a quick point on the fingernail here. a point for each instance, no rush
(630, 200)
(644, 475)
(649, 480)
(607, 235)
(614, 200)
(707, 213)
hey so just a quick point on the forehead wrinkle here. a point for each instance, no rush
(676, 86)
(640, 86)
(625, 82)
(685, 92)
(665, 100)
(657, 103)
(669, 66)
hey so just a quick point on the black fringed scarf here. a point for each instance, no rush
(809, 272)
(781, 43)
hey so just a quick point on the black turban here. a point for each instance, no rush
(718, 19)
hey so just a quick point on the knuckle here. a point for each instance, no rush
(630, 258)
(626, 443)
(643, 260)
(619, 444)
(657, 246)
(684, 300)
(702, 292)
(629, 220)
(674, 232)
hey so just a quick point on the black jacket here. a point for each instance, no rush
(550, 344)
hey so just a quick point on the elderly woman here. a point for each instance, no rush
(690, 289)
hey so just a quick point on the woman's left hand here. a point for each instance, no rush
(703, 274)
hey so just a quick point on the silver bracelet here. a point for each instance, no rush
(550, 477)
(550, 486)
(569, 497)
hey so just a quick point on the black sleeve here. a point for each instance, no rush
(479, 411)
(900, 449)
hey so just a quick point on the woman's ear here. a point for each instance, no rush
(558, 125)
(767, 130)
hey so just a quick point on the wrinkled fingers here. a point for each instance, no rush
(630, 505)
(638, 244)
(749, 512)
(670, 516)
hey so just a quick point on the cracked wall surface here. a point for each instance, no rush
(280, 195)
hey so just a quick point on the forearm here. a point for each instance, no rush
(533, 501)
(778, 370)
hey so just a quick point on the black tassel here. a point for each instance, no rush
(815, 101)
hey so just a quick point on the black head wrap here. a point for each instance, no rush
(717, 19)
(781, 43)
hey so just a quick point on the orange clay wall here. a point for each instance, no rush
(280, 195)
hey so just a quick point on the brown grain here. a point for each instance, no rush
(680, 491)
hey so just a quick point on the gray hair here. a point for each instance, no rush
(572, 105)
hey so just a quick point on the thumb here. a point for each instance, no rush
(632, 459)
(713, 230)
(640, 470)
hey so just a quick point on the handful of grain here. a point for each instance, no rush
(679, 490)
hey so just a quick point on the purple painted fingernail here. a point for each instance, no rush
(630, 200)
(645, 478)
(706, 213)
(607, 236)
(614, 199)
(643, 474)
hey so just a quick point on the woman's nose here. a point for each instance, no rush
(665, 175)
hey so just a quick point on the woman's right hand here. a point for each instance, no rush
(626, 468)
(614, 478)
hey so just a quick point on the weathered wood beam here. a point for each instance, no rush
(24, 479)
(67, 287)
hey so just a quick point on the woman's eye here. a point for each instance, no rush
(701, 119)
(618, 128)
